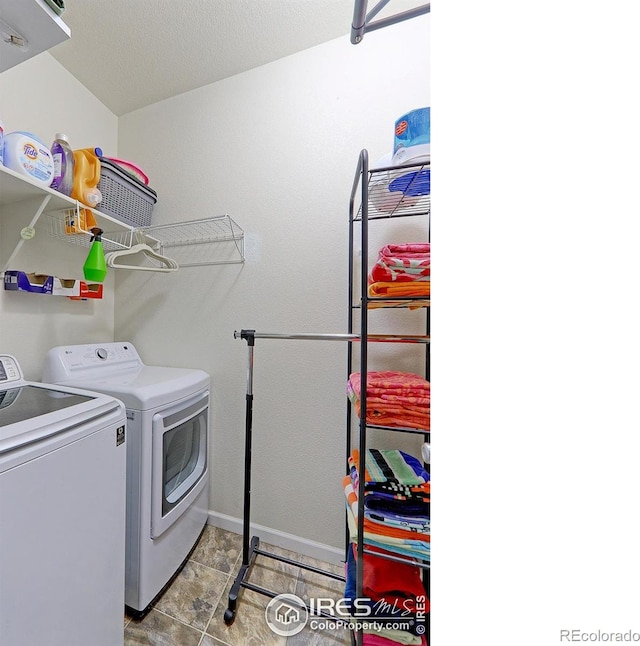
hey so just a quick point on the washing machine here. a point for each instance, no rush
(62, 514)
(167, 456)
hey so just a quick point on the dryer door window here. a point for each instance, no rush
(179, 463)
(184, 457)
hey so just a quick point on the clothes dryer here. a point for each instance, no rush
(167, 456)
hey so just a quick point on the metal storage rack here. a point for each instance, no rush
(397, 206)
(370, 201)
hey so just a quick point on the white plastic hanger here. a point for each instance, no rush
(167, 264)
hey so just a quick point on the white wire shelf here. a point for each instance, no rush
(65, 226)
(209, 241)
(398, 191)
(217, 240)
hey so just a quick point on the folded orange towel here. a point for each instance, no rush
(417, 288)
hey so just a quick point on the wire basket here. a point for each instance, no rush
(124, 197)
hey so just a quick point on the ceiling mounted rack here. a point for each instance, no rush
(363, 22)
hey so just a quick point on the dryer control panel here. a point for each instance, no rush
(73, 361)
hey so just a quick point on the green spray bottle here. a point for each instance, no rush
(95, 266)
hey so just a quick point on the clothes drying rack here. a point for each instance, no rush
(251, 544)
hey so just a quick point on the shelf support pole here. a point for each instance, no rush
(24, 235)
(249, 337)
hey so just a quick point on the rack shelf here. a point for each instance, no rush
(397, 191)
(192, 243)
(16, 188)
(208, 241)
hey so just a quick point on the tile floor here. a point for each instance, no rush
(190, 612)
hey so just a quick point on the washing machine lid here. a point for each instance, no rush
(146, 387)
(31, 412)
(24, 402)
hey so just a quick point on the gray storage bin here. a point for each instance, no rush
(124, 197)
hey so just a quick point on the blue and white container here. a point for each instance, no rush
(26, 154)
(412, 136)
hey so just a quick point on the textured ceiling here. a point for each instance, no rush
(132, 53)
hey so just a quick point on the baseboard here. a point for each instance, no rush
(292, 542)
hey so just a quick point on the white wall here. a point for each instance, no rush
(41, 97)
(276, 148)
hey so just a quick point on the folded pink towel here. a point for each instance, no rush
(402, 262)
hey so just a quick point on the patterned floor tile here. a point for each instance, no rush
(218, 549)
(250, 627)
(193, 595)
(157, 629)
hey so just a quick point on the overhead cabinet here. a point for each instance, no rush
(28, 28)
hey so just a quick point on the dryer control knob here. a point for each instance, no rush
(101, 353)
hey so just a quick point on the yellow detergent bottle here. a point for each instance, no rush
(86, 175)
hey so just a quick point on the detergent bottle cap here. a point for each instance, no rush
(92, 197)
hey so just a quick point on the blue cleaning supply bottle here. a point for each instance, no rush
(63, 165)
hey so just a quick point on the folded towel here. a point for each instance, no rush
(412, 548)
(386, 605)
(394, 466)
(396, 399)
(399, 584)
(390, 466)
(407, 250)
(414, 523)
(380, 530)
(392, 383)
(403, 263)
(414, 289)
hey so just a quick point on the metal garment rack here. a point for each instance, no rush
(362, 21)
(250, 545)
